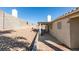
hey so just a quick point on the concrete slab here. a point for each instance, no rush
(52, 43)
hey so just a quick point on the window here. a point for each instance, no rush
(59, 25)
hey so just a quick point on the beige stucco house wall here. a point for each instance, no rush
(74, 32)
(8, 21)
(68, 31)
(62, 34)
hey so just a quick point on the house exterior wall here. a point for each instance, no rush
(69, 32)
(63, 34)
(74, 28)
(51, 29)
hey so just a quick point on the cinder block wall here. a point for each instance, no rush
(8, 22)
(1, 20)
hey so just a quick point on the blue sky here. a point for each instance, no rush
(36, 14)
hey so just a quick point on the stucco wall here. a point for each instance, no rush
(69, 33)
(63, 34)
(74, 28)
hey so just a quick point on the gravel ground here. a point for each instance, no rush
(16, 40)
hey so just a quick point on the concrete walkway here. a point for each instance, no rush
(50, 43)
(43, 47)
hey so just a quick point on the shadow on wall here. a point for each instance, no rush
(13, 44)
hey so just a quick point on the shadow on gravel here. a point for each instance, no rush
(6, 31)
(52, 39)
(35, 30)
(14, 44)
(50, 45)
